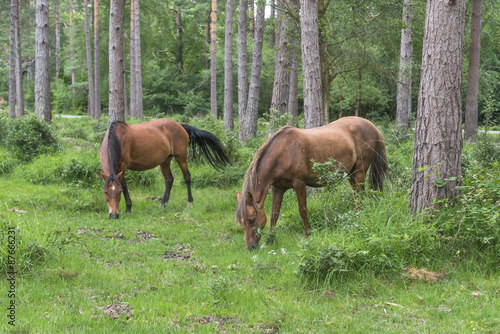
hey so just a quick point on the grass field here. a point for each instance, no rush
(186, 269)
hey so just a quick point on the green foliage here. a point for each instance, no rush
(142, 179)
(75, 168)
(28, 137)
(7, 161)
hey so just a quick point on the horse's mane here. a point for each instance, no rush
(114, 151)
(251, 176)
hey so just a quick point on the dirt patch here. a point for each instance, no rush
(116, 310)
(154, 198)
(141, 236)
(180, 253)
(424, 275)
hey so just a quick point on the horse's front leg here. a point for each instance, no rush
(128, 201)
(276, 207)
(301, 192)
(169, 180)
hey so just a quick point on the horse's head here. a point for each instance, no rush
(251, 217)
(113, 192)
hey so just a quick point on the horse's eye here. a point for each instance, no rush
(105, 193)
(251, 220)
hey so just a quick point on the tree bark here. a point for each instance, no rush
(327, 73)
(252, 111)
(180, 44)
(97, 62)
(471, 106)
(272, 36)
(116, 62)
(228, 68)
(403, 109)
(242, 65)
(293, 100)
(358, 98)
(72, 48)
(281, 86)
(208, 41)
(132, 87)
(91, 99)
(58, 45)
(313, 105)
(251, 21)
(19, 67)
(438, 133)
(213, 61)
(138, 62)
(12, 59)
(42, 74)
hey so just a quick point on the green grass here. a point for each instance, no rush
(186, 269)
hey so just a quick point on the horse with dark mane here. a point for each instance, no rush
(146, 145)
(286, 160)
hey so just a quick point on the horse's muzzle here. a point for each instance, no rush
(253, 246)
(114, 215)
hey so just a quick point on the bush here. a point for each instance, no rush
(77, 168)
(28, 137)
(7, 161)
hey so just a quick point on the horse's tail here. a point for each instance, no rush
(208, 144)
(378, 169)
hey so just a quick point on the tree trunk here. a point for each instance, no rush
(272, 36)
(326, 73)
(242, 65)
(132, 87)
(19, 66)
(138, 62)
(281, 86)
(403, 109)
(213, 61)
(438, 133)
(42, 74)
(116, 62)
(313, 105)
(252, 111)
(180, 44)
(90, 111)
(58, 45)
(293, 100)
(97, 62)
(358, 98)
(251, 21)
(228, 68)
(12, 59)
(72, 48)
(471, 106)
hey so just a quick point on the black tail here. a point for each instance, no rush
(378, 169)
(209, 146)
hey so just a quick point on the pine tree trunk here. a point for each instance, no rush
(403, 108)
(313, 105)
(293, 100)
(138, 63)
(252, 112)
(19, 66)
(358, 98)
(58, 45)
(242, 65)
(438, 133)
(12, 59)
(97, 62)
(251, 21)
(116, 62)
(207, 41)
(91, 100)
(326, 73)
(133, 94)
(42, 74)
(180, 44)
(272, 35)
(72, 48)
(471, 106)
(228, 68)
(213, 61)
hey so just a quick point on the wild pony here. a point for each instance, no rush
(286, 159)
(147, 145)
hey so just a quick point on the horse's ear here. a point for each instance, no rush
(249, 198)
(104, 176)
(238, 196)
(121, 176)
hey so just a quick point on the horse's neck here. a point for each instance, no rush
(261, 190)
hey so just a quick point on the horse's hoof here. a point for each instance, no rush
(190, 204)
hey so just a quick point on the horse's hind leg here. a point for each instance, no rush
(169, 180)
(181, 161)
(357, 181)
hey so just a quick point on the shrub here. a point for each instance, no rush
(7, 161)
(28, 137)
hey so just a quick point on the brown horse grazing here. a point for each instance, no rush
(285, 161)
(147, 145)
